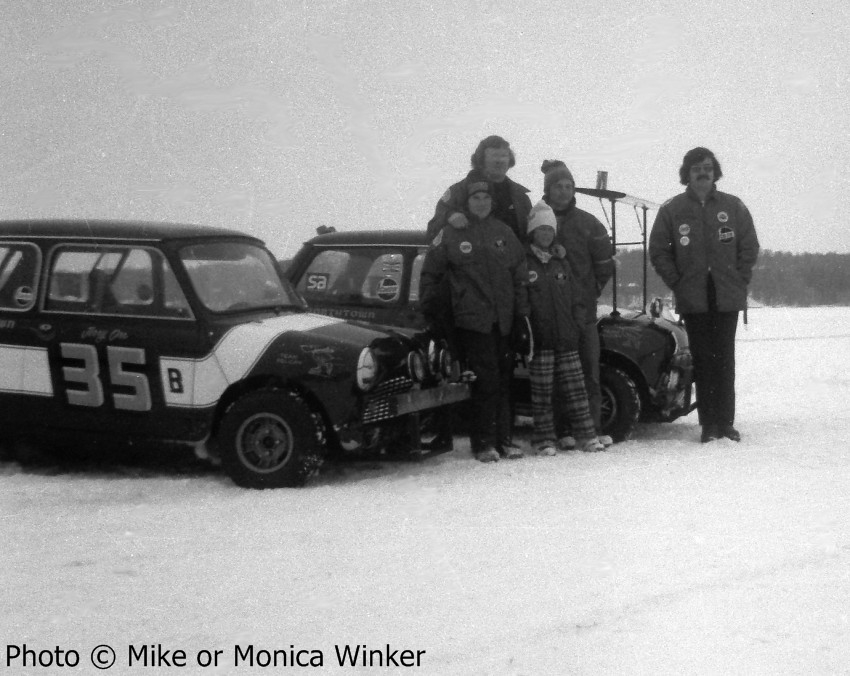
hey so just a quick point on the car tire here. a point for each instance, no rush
(620, 403)
(270, 439)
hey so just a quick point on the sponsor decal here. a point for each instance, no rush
(288, 359)
(324, 358)
(722, 216)
(684, 241)
(7, 323)
(103, 335)
(532, 276)
(465, 247)
(684, 229)
(388, 289)
(726, 234)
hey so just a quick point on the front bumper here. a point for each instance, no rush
(392, 405)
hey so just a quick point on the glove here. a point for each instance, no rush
(458, 221)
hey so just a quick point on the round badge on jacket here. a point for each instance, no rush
(465, 247)
(532, 276)
(684, 241)
(684, 229)
(722, 216)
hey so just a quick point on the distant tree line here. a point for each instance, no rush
(779, 278)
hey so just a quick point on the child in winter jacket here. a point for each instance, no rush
(557, 315)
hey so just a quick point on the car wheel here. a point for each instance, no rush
(270, 439)
(620, 403)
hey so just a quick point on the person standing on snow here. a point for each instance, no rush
(484, 265)
(493, 157)
(703, 245)
(557, 322)
(590, 256)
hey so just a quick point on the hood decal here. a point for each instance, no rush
(201, 382)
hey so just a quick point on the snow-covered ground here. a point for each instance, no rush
(661, 556)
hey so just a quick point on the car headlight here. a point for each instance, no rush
(448, 365)
(416, 366)
(367, 369)
(433, 358)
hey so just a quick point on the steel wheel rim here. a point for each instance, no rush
(264, 443)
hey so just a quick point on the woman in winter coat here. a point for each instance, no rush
(557, 318)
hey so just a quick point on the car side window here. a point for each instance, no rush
(117, 281)
(20, 265)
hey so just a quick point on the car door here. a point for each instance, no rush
(113, 312)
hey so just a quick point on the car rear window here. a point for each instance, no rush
(357, 276)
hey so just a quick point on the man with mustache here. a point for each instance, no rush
(703, 245)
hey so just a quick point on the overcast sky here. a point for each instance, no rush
(275, 116)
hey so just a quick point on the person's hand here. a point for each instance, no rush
(458, 221)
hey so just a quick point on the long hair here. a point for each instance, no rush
(691, 158)
(491, 142)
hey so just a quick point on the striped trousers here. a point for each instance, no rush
(559, 370)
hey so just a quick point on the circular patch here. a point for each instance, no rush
(722, 216)
(465, 247)
(388, 289)
(684, 229)
(684, 241)
(532, 276)
(725, 234)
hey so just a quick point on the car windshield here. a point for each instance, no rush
(231, 276)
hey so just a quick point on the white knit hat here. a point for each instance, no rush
(541, 214)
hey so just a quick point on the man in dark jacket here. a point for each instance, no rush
(703, 245)
(484, 265)
(511, 203)
(589, 253)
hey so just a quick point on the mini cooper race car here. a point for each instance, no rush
(190, 334)
(646, 371)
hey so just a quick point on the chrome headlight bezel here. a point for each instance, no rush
(416, 368)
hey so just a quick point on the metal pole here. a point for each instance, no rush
(613, 255)
(644, 258)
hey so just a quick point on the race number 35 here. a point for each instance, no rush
(90, 382)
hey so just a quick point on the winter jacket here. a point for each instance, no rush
(690, 241)
(556, 302)
(455, 199)
(589, 253)
(486, 270)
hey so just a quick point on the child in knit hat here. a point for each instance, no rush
(557, 315)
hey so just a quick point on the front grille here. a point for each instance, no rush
(381, 404)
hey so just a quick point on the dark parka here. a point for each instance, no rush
(589, 253)
(555, 298)
(486, 271)
(455, 199)
(690, 241)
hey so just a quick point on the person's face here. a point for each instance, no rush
(543, 236)
(702, 174)
(496, 163)
(561, 193)
(480, 204)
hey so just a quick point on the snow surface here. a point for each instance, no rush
(661, 556)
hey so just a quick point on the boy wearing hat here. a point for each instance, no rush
(484, 266)
(557, 321)
(589, 253)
